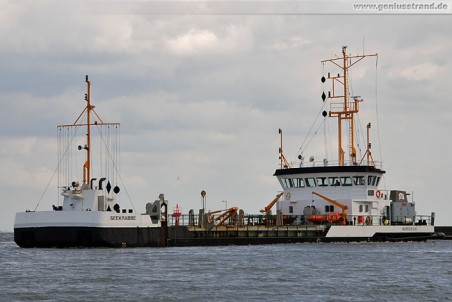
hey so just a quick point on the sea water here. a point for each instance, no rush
(411, 271)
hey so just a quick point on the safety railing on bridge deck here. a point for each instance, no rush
(327, 163)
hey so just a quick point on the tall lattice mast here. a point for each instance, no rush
(345, 110)
(92, 118)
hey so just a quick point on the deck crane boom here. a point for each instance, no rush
(272, 203)
(344, 208)
(231, 212)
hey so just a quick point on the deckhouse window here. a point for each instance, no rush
(378, 180)
(286, 182)
(360, 208)
(310, 182)
(371, 180)
(322, 181)
(346, 181)
(358, 180)
(283, 184)
(334, 181)
(329, 209)
(298, 182)
(301, 182)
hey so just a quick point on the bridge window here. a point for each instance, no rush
(334, 181)
(371, 180)
(285, 182)
(310, 182)
(358, 180)
(298, 182)
(322, 182)
(301, 182)
(292, 182)
(346, 181)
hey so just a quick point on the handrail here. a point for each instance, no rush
(299, 220)
(328, 163)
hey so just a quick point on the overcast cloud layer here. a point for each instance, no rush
(201, 97)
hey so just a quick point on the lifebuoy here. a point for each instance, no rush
(330, 218)
(378, 194)
(368, 220)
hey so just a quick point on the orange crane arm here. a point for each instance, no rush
(214, 212)
(344, 208)
(225, 216)
(272, 203)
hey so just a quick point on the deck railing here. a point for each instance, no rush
(299, 220)
(334, 163)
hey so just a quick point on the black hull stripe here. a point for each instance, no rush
(171, 236)
(87, 237)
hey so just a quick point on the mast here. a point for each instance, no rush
(87, 165)
(345, 110)
(283, 161)
(368, 144)
(92, 119)
(368, 154)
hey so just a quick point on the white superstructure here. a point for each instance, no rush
(90, 214)
(346, 194)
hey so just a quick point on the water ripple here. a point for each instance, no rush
(293, 272)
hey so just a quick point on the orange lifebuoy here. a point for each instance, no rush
(330, 218)
(378, 194)
(368, 220)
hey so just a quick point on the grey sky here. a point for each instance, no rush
(201, 97)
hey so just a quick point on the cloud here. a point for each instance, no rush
(201, 99)
(194, 41)
(25, 162)
(418, 72)
(284, 44)
(203, 41)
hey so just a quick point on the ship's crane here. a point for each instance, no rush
(231, 212)
(272, 203)
(344, 208)
(214, 212)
